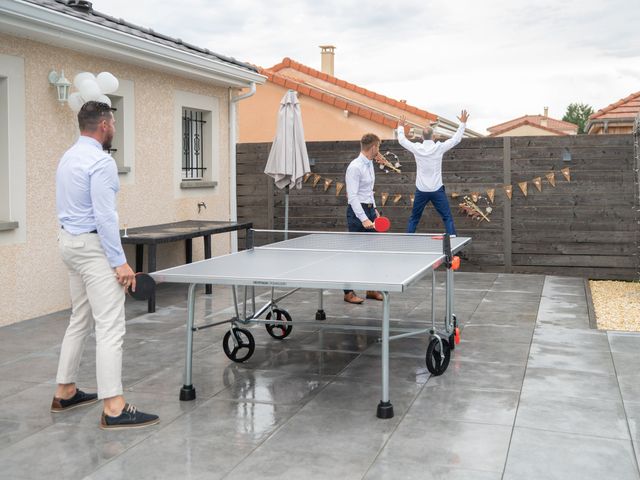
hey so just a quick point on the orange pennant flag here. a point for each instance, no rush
(567, 173)
(508, 189)
(316, 179)
(327, 184)
(523, 187)
(538, 183)
(306, 177)
(491, 193)
(412, 198)
(339, 187)
(551, 178)
(475, 196)
(397, 198)
(455, 194)
(384, 196)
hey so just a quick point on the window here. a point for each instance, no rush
(193, 127)
(123, 148)
(13, 179)
(197, 146)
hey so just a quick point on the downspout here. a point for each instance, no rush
(233, 199)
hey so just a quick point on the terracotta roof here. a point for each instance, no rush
(85, 11)
(340, 102)
(536, 120)
(627, 107)
(494, 132)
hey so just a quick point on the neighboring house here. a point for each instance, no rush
(616, 118)
(162, 80)
(332, 109)
(533, 125)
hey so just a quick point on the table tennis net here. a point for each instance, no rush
(370, 242)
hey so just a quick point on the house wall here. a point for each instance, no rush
(33, 280)
(322, 122)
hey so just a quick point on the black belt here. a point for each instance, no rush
(367, 205)
(92, 231)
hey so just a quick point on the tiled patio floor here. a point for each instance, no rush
(531, 393)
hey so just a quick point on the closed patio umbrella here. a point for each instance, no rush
(288, 160)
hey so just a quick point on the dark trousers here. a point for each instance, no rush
(440, 202)
(355, 225)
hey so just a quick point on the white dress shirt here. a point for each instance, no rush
(360, 178)
(428, 155)
(86, 187)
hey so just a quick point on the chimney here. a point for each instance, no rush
(543, 121)
(327, 55)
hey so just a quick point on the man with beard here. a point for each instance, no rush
(86, 187)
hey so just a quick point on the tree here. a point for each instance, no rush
(578, 113)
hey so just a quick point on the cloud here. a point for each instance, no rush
(500, 58)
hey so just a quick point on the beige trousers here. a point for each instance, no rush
(96, 299)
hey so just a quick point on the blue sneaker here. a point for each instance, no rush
(80, 399)
(129, 418)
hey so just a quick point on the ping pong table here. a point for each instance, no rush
(385, 262)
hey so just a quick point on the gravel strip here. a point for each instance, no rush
(616, 304)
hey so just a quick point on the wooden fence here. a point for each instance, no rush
(586, 227)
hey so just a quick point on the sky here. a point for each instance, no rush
(499, 59)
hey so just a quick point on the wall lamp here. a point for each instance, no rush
(62, 85)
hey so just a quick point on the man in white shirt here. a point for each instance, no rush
(89, 242)
(361, 211)
(429, 187)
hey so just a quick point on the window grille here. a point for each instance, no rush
(192, 144)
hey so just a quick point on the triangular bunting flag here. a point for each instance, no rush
(327, 184)
(316, 179)
(551, 178)
(306, 177)
(508, 189)
(523, 187)
(567, 173)
(475, 196)
(384, 197)
(397, 198)
(491, 193)
(412, 197)
(339, 187)
(455, 194)
(538, 183)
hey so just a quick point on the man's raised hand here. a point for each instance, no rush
(463, 116)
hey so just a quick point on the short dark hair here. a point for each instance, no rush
(427, 133)
(367, 140)
(91, 114)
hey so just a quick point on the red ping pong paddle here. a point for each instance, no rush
(145, 287)
(381, 224)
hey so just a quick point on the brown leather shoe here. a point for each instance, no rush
(353, 298)
(374, 295)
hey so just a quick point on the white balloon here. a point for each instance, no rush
(75, 101)
(107, 82)
(104, 99)
(89, 89)
(81, 77)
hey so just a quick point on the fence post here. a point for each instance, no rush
(506, 221)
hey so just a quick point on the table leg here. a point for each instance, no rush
(151, 267)
(385, 408)
(188, 250)
(207, 254)
(139, 257)
(188, 392)
(320, 315)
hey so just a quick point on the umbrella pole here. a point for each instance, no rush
(286, 212)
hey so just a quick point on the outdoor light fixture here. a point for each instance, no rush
(62, 85)
(566, 155)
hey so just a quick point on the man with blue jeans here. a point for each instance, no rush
(429, 186)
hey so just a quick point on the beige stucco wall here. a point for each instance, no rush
(33, 280)
(258, 116)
